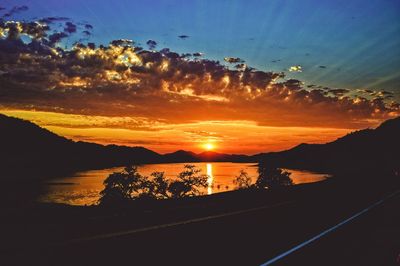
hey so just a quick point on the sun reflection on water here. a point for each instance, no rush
(210, 179)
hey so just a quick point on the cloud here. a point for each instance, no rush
(57, 37)
(122, 79)
(233, 60)
(69, 27)
(297, 68)
(202, 134)
(50, 20)
(241, 66)
(151, 44)
(15, 10)
(376, 93)
(87, 33)
(338, 92)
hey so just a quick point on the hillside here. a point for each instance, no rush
(28, 149)
(364, 150)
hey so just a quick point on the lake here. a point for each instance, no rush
(83, 188)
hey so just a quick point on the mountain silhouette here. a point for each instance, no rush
(180, 156)
(33, 151)
(368, 150)
(28, 150)
(211, 156)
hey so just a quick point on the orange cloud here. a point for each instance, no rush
(96, 90)
(233, 136)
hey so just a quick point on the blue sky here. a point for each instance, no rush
(349, 50)
(357, 41)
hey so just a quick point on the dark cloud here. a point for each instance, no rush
(151, 44)
(377, 93)
(15, 10)
(122, 42)
(69, 27)
(87, 33)
(233, 60)
(338, 92)
(241, 66)
(57, 37)
(121, 79)
(50, 20)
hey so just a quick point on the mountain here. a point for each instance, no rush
(364, 150)
(180, 156)
(210, 156)
(27, 149)
(207, 156)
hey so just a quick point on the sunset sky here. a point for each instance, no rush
(240, 76)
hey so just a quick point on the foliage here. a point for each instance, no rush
(129, 184)
(121, 186)
(188, 182)
(272, 177)
(243, 180)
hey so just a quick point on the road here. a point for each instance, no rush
(244, 237)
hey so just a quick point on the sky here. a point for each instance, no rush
(246, 76)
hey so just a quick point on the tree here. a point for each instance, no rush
(188, 183)
(156, 187)
(129, 184)
(272, 177)
(243, 180)
(120, 186)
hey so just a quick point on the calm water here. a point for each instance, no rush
(83, 188)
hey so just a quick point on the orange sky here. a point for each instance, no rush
(123, 94)
(226, 136)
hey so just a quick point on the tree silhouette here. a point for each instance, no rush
(129, 184)
(243, 180)
(159, 185)
(188, 182)
(272, 177)
(122, 186)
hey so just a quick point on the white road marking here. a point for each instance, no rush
(202, 219)
(286, 253)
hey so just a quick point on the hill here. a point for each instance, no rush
(27, 149)
(364, 150)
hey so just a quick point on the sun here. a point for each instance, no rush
(208, 146)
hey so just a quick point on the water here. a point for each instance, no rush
(83, 188)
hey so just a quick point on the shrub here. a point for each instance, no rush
(271, 177)
(243, 180)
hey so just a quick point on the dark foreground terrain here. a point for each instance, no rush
(234, 228)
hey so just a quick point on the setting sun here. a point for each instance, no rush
(209, 146)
